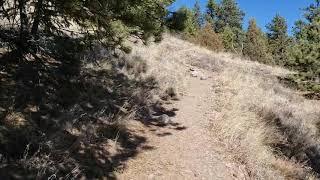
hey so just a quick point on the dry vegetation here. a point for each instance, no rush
(268, 128)
(165, 66)
(71, 122)
(271, 129)
(208, 38)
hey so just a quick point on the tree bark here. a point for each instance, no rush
(37, 18)
(23, 24)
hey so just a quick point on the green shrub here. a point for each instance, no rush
(183, 21)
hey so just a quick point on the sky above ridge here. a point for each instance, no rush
(262, 10)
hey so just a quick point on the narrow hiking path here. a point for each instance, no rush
(185, 152)
(226, 126)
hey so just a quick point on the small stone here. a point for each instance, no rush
(89, 105)
(194, 74)
(165, 119)
(102, 161)
(29, 57)
(203, 78)
(109, 90)
(33, 108)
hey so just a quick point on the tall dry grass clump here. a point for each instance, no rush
(164, 64)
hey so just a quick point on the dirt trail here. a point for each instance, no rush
(185, 152)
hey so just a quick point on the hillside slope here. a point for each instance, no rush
(234, 120)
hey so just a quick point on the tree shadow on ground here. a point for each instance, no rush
(61, 120)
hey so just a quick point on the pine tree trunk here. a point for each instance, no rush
(38, 14)
(23, 24)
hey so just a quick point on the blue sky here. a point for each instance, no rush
(262, 10)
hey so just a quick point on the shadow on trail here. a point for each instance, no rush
(61, 120)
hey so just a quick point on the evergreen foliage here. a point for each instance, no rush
(233, 39)
(226, 13)
(212, 8)
(278, 39)
(48, 88)
(255, 46)
(304, 55)
(227, 19)
(184, 20)
(198, 14)
(229, 37)
(109, 22)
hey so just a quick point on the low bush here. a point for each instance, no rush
(208, 38)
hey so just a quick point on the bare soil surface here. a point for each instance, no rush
(185, 149)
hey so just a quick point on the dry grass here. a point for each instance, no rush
(269, 128)
(264, 125)
(163, 64)
(80, 115)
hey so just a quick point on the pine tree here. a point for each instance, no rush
(278, 39)
(210, 13)
(305, 54)
(184, 21)
(227, 13)
(212, 9)
(108, 22)
(233, 39)
(313, 11)
(227, 19)
(229, 38)
(255, 46)
(197, 14)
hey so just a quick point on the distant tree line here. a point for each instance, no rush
(220, 27)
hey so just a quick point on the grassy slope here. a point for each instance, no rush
(269, 128)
